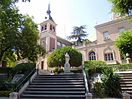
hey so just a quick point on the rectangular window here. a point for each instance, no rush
(58, 44)
(106, 35)
(108, 56)
(121, 29)
(50, 27)
(63, 45)
(42, 28)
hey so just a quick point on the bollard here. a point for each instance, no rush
(89, 96)
(13, 95)
(126, 95)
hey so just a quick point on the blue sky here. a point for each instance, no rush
(70, 13)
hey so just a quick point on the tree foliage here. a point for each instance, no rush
(78, 34)
(122, 7)
(124, 43)
(18, 32)
(57, 58)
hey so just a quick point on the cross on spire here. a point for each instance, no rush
(49, 13)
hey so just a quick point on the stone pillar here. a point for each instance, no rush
(126, 96)
(128, 60)
(13, 95)
(89, 96)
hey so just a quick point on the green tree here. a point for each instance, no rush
(122, 7)
(57, 58)
(19, 32)
(78, 34)
(124, 43)
(10, 58)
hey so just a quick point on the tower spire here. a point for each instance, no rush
(49, 13)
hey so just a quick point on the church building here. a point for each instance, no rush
(103, 48)
(48, 38)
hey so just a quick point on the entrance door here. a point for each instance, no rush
(42, 64)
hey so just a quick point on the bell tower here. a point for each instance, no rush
(48, 37)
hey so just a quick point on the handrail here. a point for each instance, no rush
(86, 82)
(24, 80)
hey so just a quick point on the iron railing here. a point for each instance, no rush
(23, 81)
(85, 81)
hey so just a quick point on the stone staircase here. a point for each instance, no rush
(64, 86)
(126, 82)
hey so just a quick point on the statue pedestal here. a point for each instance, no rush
(67, 65)
(67, 68)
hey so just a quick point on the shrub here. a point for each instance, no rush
(57, 70)
(23, 68)
(94, 66)
(111, 83)
(98, 90)
(5, 69)
(122, 67)
(57, 58)
(5, 93)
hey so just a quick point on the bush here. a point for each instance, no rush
(57, 70)
(5, 69)
(98, 90)
(57, 58)
(122, 67)
(4, 84)
(5, 93)
(111, 83)
(94, 66)
(23, 68)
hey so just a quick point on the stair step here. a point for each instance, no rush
(51, 76)
(130, 92)
(55, 92)
(58, 78)
(55, 89)
(126, 85)
(126, 88)
(52, 80)
(64, 75)
(58, 83)
(126, 77)
(52, 96)
(56, 86)
(69, 86)
(125, 82)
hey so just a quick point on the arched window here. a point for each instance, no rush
(92, 55)
(51, 27)
(45, 27)
(42, 28)
(108, 55)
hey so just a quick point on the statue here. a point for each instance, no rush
(67, 65)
